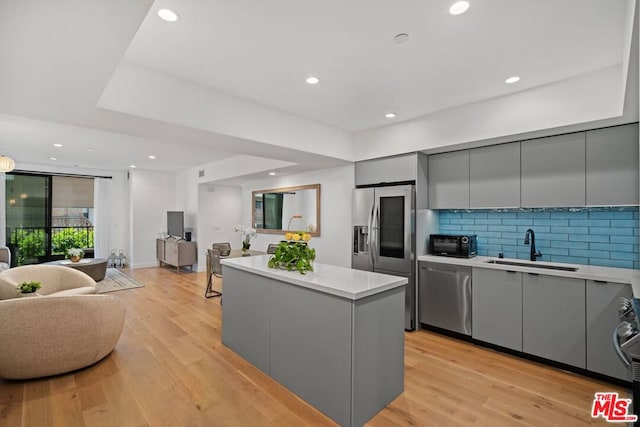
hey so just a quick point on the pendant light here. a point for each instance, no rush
(6, 163)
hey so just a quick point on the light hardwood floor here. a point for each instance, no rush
(170, 369)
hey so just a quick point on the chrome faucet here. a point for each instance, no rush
(533, 254)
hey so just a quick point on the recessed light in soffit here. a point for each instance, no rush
(458, 8)
(312, 80)
(512, 79)
(168, 15)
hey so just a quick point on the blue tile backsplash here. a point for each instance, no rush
(597, 236)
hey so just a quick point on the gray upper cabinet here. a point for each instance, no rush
(553, 318)
(387, 169)
(495, 176)
(448, 180)
(612, 166)
(553, 171)
(602, 319)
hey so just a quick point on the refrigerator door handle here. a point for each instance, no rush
(376, 226)
(370, 238)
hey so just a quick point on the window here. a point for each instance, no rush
(47, 215)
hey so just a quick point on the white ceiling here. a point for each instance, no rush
(263, 51)
(58, 58)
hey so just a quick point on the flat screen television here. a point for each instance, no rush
(175, 224)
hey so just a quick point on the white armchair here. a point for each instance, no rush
(55, 279)
(49, 336)
(5, 258)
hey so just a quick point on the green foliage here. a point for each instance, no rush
(293, 256)
(31, 245)
(29, 287)
(68, 238)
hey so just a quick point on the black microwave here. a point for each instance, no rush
(460, 246)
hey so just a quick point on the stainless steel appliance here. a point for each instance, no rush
(384, 236)
(445, 296)
(460, 246)
(626, 342)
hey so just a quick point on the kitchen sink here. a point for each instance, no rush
(532, 265)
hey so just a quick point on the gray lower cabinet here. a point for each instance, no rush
(553, 171)
(553, 318)
(612, 166)
(497, 307)
(602, 318)
(494, 176)
(448, 180)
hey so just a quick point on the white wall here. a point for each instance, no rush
(187, 199)
(334, 244)
(219, 210)
(152, 194)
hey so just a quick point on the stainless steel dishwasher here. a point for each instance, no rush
(445, 296)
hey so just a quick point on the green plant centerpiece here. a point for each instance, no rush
(294, 253)
(28, 287)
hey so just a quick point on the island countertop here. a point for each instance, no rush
(330, 279)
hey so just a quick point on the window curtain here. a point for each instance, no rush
(3, 209)
(102, 217)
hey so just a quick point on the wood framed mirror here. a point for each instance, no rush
(279, 210)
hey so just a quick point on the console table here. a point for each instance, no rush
(177, 253)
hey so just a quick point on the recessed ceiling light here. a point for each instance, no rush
(168, 15)
(390, 115)
(132, 166)
(57, 145)
(401, 38)
(459, 7)
(512, 79)
(313, 80)
(89, 149)
(151, 156)
(52, 158)
(272, 173)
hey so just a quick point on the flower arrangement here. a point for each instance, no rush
(247, 234)
(28, 287)
(294, 253)
(75, 254)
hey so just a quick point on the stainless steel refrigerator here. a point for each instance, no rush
(384, 236)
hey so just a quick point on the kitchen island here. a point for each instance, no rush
(334, 337)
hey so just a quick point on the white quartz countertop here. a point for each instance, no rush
(330, 279)
(587, 272)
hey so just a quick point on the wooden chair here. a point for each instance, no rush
(216, 270)
(271, 249)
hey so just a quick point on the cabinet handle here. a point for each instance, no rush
(602, 282)
(533, 274)
(511, 271)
